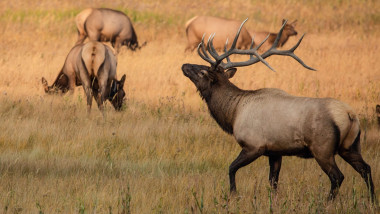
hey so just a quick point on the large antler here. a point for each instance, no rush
(252, 52)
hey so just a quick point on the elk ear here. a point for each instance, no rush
(294, 23)
(378, 109)
(44, 81)
(230, 72)
(45, 84)
(121, 82)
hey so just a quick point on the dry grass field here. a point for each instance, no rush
(164, 153)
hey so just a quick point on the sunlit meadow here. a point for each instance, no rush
(164, 153)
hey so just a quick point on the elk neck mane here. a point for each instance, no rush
(222, 99)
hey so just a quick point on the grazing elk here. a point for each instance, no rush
(66, 79)
(103, 24)
(272, 123)
(289, 30)
(96, 68)
(70, 74)
(223, 29)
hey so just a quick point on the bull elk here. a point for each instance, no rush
(92, 65)
(289, 30)
(224, 28)
(103, 24)
(271, 122)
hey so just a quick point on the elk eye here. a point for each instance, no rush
(202, 73)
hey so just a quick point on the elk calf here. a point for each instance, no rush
(272, 123)
(289, 30)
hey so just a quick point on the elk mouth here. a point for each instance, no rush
(186, 70)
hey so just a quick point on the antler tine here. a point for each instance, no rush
(237, 35)
(289, 52)
(296, 57)
(251, 52)
(232, 49)
(204, 55)
(219, 58)
(266, 38)
(275, 43)
(258, 55)
(252, 42)
(225, 50)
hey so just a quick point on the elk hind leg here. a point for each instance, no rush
(355, 159)
(336, 177)
(89, 95)
(245, 157)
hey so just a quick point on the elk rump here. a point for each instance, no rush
(106, 25)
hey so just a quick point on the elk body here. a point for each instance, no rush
(66, 79)
(270, 122)
(223, 29)
(289, 30)
(92, 65)
(103, 24)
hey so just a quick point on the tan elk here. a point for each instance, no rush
(103, 24)
(69, 76)
(289, 30)
(273, 123)
(223, 29)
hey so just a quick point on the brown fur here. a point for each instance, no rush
(89, 58)
(96, 68)
(199, 25)
(289, 30)
(103, 24)
(378, 115)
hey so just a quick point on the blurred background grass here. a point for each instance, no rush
(164, 153)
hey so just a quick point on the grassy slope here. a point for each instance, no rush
(164, 152)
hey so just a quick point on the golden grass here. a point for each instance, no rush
(164, 153)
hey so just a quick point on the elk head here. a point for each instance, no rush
(290, 28)
(204, 77)
(117, 93)
(60, 85)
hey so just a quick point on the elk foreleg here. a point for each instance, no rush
(117, 44)
(275, 166)
(245, 157)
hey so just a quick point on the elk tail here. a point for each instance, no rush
(189, 22)
(352, 139)
(93, 56)
(350, 136)
(347, 123)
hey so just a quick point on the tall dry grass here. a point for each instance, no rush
(163, 153)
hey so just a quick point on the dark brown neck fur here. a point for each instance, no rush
(222, 102)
